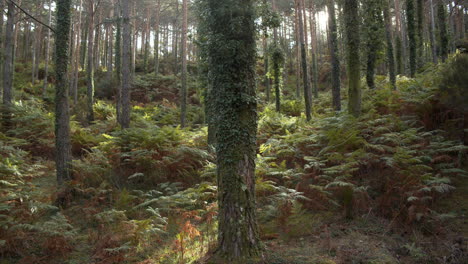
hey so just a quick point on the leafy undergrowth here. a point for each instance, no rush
(389, 187)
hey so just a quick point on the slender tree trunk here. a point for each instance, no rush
(110, 49)
(126, 62)
(336, 68)
(373, 22)
(90, 66)
(443, 37)
(313, 37)
(47, 57)
(183, 103)
(147, 41)
(298, 54)
(352, 21)
(307, 91)
(63, 156)
(235, 105)
(8, 65)
(411, 36)
(2, 7)
(420, 33)
(118, 60)
(156, 37)
(433, 29)
(77, 55)
(388, 36)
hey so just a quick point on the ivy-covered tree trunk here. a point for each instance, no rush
(63, 156)
(336, 68)
(388, 37)
(443, 37)
(126, 64)
(373, 29)
(231, 55)
(183, 94)
(278, 61)
(90, 64)
(8, 65)
(305, 73)
(411, 36)
(352, 21)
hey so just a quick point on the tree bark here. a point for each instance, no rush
(63, 156)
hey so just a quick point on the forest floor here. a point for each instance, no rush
(388, 187)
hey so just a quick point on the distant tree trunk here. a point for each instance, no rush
(63, 156)
(79, 41)
(433, 41)
(266, 63)
(420, 33)
(156, 37)
(388, 36)
(183, 103)
(147, 41)
(90, 65)
(8, 66)
(443, 37)
(110, 49)
(47, 56)
(118, 60)
(307, 92)
(298, 54)
(313, 39)
(373, 27)
(2, 7)
(232, 60)
(411, 36)
(126, 62)
(336, 68)
(352, 21)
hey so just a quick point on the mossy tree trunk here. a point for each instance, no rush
(336, 68)
(411, 36)
(352, 21)
(305, 73)
(126, 64)
(63, 156)
(8, 65)
(231, 55)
